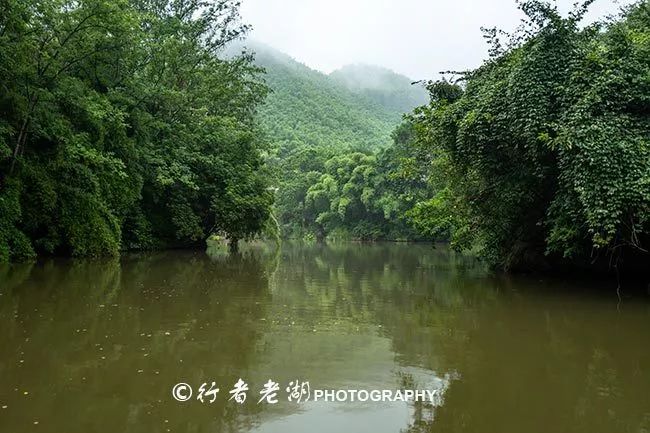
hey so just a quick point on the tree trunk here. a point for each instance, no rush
(22, 135)
(19, 143)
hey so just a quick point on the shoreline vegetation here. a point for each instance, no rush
(131, 125)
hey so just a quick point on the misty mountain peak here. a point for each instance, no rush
(384, 86)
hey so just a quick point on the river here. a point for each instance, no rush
(98, 345)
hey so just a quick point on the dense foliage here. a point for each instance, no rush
(349, 195)
(542, 155)
(307, 108)
(121, 127)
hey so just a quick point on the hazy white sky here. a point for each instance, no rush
(418, 38)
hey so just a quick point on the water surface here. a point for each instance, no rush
(96, 346)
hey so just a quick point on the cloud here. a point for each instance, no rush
(418, 38)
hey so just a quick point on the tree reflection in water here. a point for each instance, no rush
(98, 345)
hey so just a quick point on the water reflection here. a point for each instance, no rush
(97, 345)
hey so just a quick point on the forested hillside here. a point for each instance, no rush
(308, 108)
(326, 137)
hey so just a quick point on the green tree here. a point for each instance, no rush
(121, 126)
(546, 147)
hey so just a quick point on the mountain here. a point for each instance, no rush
(328, 134)
(307, 108)
(392, 91)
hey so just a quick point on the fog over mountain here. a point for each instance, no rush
(356, 107)
(389, 89)
(412, 37)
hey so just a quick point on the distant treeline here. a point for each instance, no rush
(121, 127)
